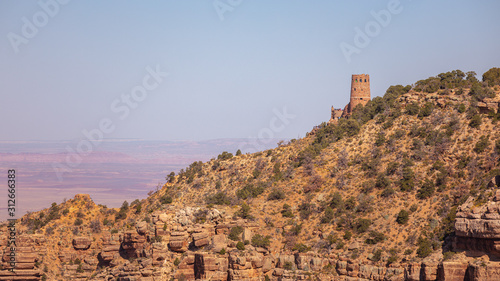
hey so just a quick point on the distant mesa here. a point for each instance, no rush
(360, 94)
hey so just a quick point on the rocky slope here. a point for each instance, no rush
(405, 189)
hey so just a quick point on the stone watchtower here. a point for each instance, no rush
(360, 94)
(360, 91)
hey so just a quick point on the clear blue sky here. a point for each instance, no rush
(228, 72)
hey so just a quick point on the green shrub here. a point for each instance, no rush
(301, 248)
(287, 211)
(492, 76)
(238, 152)
(295, 230)
(288, 265)
(424, 247)
(375, 237)
(461, 108)
(240, 246)
(250, 191)
(244, 211)
(219, 198)
(412, 108)
(426, 110)
(347, 235)
(387, 192)
(222, 251)
(261, 241)
(78, 221)
(328, 215)
(177, 261)
(224, 156)
(380, 139)
(165, 199)
(482, 144)
(475, 121)
(235, 232)
(382, 181)
(391, 168)
(276, 194)
(337, 202)
(377, 255)
(426, 191)
(406, 183)
(402, 217)
(362, 225)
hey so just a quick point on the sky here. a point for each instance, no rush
(198, 70)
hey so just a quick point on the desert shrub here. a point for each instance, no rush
(261, 241)
(426, 110)
(402, 217)
(276, 194)
(305, 210)
(424, 247)
(362, 225)
(412, 108)
(448, 255)
(350, 203)
(426, 191)
(277, 174)
(387, 192)
(177, 261)
(328, 215)
(382, 181)
(244, 211)
(235, 232)
(315, 183)
(95, 226)
(392, 168)
(287, 211)
(377, 255)
(288, 265)
(461, 108)
(380, 139)
(337, 202)
(375, 237)
(295, 230)
(301, 248)
(250, 191)
(165, 199)
(492, 76)
(240, 246)
(219, 198)
(224, 156)
(406, 183)
(238, 152)
(347, 235)
(78, 221)
(482, 144)
(475, 121)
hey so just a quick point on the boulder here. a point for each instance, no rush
(81, 243)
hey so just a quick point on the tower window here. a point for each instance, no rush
(365, 80)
